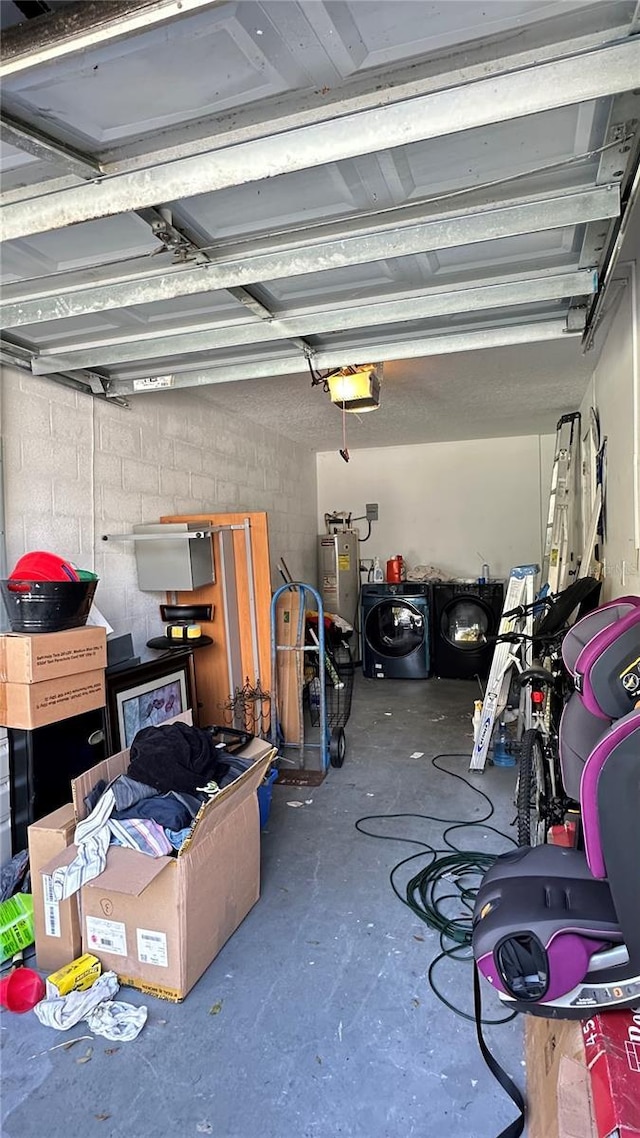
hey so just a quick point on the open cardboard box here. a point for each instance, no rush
(583, 1078)
(558, 1093)
(159, 922)
(56, 923)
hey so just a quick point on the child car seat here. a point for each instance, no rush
(555, 930)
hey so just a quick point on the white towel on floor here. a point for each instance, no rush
(106, 1017)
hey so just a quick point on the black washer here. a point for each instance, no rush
(395, 621)
(465, 621)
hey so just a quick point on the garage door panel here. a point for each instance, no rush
(412, 173)
(373, 34)
(286, 202)
(515, 314)
(80, 246)
(532, 248)
(500, 151)
(188, 70)
(120, 325)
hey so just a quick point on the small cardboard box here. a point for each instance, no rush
(159, 922)
(76, 976)
(57, 923)
(34, 705)
(26, 659)
(612, 1049)
(558, 1096)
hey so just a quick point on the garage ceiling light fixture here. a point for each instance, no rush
(356, 388)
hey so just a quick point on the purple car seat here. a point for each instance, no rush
(556, 931)
(602, 651)
(602, 621)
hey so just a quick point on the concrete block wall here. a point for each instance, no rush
(77, 467)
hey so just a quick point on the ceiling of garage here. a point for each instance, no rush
(211, 195)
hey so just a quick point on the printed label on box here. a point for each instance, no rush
(152, 948)
(108, 936)
(58, 699)
(51, 908)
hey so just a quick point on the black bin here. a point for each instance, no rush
(47, 606)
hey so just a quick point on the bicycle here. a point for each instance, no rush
(540, 797)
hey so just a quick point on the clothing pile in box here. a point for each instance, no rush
(152, 807)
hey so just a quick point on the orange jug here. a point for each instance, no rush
(395, 569)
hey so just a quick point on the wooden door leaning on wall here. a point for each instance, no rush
(212, 679)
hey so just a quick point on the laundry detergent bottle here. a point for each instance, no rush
(395, 569)
(378, 574)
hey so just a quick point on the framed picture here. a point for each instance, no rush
(148, 694)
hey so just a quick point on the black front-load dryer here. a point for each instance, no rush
(395, 631)
(465, 619)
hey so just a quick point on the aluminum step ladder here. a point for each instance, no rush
(517, 617)
(560, 558)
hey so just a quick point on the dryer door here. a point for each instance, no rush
(394, 628)
(466, 622)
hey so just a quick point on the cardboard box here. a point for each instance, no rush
(34, 705)
(57, 923)
(558, 1095)
(612, 1049)
(159, 922)
(31, 659)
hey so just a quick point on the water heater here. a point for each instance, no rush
(339, 573)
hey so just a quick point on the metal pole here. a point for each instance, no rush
(230, 610)
(252, 601)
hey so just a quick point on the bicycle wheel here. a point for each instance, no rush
(532, 791)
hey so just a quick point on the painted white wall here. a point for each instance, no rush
(615, 392)
(452, 505)
(77, 467)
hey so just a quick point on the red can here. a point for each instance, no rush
(395, 569)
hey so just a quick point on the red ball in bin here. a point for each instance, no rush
(43, 566)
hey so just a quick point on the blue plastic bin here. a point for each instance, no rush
(265, 792)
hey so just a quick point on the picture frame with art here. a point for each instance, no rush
(148, 694)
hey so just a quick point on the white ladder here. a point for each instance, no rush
(517, 617)
(560, 536)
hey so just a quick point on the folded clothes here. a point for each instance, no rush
(174, 756)
(92, 839)
(192, 802)
(178, 837)
(140, 834)
(165, 809)
(94, 834)
(127, 792)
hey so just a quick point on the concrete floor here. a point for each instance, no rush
(327, 1025)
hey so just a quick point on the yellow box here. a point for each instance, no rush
(77, 976)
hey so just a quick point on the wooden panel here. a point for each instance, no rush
(211, 661)
(289, 667)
